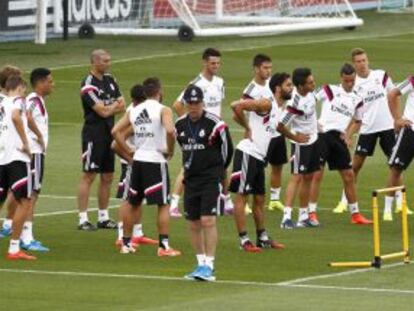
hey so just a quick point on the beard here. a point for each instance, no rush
(287, 96)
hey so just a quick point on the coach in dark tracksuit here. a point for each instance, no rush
(207, 151)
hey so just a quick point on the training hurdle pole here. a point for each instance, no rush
(378, 258)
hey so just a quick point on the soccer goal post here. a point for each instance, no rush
(209, 17)
(396, 6)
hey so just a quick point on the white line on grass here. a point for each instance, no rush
(333, 39)
(67, 197)
(74, 211)
(358, 289)
(65, 212)
(228, 282)
(336, 274)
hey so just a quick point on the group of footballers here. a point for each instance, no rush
(272, 108)
(23, 145)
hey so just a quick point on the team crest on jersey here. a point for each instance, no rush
(182, 134)
(112, 87)
(202, 133)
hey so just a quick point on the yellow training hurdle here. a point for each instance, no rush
(378, 258)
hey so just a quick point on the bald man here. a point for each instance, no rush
(101, 101)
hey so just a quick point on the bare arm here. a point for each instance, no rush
(167, 122)
(394, 104)
(33, 127)
(353, 127)
(119, 150)
(262, 105)
(106, 111)
(18, 123)
(179, 108)
(297, 137)
(118, 133)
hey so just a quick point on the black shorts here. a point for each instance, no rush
(306, 158)
(248, 176)
(15, 176)
(97, 156)
(403, 151)
(38, 166)
(277, 152)
(201, 200)
(151, 181)
(124, 180)
(367, 142)
(334, 151)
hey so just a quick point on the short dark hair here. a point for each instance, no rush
(210, 52)
(300, 75)
(6, 72)
(137, 93)
(347, 69)
(259, 59)
(13, 82)
(277, 80)
(151, 86)
(357, 51)
(38, 74)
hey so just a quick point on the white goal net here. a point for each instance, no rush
(210, 17)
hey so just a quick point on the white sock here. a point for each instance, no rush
(388, 204)
(103, 215)
(201, 259)
(244, 239)
(275, 194)
(264, 236)
(287, 213)
(175, 200)
(343, 198)
(7, 223)
(398, 198)
(14, 246)
(27, 233)
(83, 217)
(165, 243)
(137, 231)
(312, 207)
(354, 209)
(303, 214)
(120, 230)
(209, 262)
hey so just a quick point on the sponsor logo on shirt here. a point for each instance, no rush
(143, 118)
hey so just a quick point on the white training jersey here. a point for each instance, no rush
(130, 140)
(300, 115)
(374, 91)
(407, 88)
(150, 138)
(213, 92)
(339, 107)
(36, 105)
(263, 126)
(10, 142)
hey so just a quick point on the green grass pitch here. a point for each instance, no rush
(84, 271)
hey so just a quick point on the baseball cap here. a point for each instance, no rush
(193, 94)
